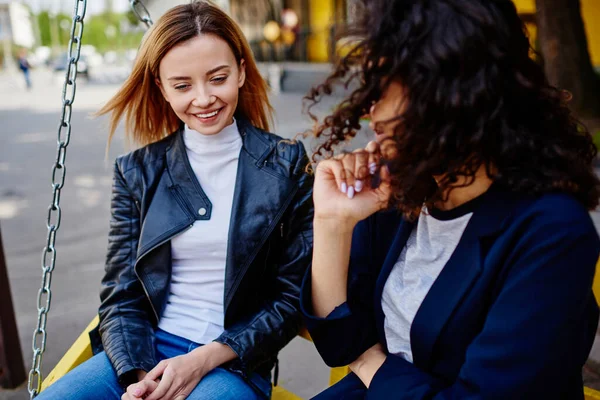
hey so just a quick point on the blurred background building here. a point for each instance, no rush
(16, 29)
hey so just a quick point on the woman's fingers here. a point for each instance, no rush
(348, 163)
(335, 168)
(157, 371)
(361, 169)
(139, 390)
(374, 156)
(162, 388)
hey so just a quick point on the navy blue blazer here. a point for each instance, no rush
(511, 316)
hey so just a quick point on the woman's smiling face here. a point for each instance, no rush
(200, 78)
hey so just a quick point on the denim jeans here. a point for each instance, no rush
(96, 379)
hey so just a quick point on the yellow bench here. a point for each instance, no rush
(81, 350)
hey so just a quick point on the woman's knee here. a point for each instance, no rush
(95, 379)
(221, 384)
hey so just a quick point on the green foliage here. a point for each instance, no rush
(95, 31)
(44, 25)
(52, 24)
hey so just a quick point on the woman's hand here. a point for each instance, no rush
(367, 365)
(342, 189)
(175, 378)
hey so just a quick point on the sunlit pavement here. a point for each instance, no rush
(28, 125)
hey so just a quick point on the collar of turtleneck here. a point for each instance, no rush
(199, 143)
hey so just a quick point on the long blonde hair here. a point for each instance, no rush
(148, 116)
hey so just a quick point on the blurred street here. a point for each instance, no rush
(29, 121)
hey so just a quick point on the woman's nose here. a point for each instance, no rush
(203, 99)
(372, 110)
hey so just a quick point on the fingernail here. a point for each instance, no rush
(351, 192)
(358, 186)
(344, 187)
(372, 168)
(137, 392)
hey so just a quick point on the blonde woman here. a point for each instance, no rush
(211, 225)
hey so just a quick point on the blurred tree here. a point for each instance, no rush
(44, 24)
(132, 18)
(564, 47)
(95, 32)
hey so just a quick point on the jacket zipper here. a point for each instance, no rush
(145, 254)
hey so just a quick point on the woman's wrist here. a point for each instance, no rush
(334, 223)
(214, 354)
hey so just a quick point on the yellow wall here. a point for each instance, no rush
(590, 10)
(320, 19)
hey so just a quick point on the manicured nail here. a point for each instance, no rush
(372, 168)
(344, 187)
(358, 186)
(351, 192)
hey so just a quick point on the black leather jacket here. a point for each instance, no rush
(157, 196)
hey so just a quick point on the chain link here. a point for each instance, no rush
(59, 170)
(140, 10)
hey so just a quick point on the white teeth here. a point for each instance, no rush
(212, 114)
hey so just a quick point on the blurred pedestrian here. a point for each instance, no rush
(24, 66)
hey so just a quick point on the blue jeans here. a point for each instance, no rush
(96, 379)
(27, 78)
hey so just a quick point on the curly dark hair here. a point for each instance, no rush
(474, 97)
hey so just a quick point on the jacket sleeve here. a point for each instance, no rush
(124, 309)
(350, 328)
(279, 320)
(538, 331)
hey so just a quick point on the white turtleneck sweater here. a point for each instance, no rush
(194, 307)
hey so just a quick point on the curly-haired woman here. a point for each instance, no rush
(454, 256)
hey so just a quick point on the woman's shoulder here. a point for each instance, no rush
(554, 216)
(291, 150)
(144, 156)
(558, 207)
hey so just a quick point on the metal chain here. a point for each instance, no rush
(44, 297)
(140, 10)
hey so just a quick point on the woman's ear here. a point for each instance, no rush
(242, 76)
(162, 90)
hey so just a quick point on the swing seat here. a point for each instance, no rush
(81, 350)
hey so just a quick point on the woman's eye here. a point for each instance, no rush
(219, 79)
(181, 87)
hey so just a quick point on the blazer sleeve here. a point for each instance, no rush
(124, 309)
(538, 331)
(350, 328)
(279, 320)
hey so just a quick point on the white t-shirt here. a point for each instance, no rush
(428, 249)
(194, 307)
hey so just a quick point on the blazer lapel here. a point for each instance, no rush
(454, 281)
(458, 275)
(260, 198)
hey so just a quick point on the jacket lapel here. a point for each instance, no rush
(261, 196)
(458, 275)
(177, 199)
